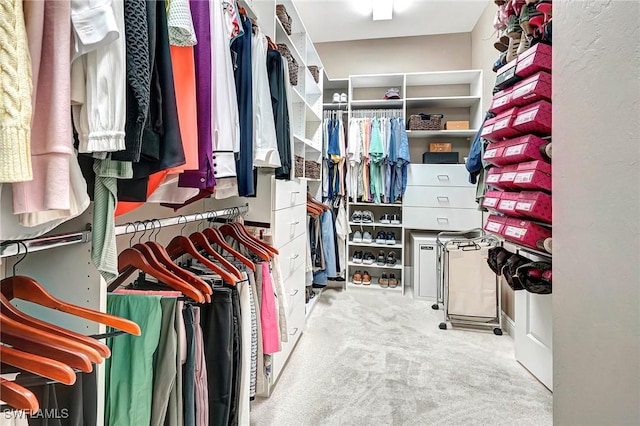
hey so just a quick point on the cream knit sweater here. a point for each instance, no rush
(15, 95)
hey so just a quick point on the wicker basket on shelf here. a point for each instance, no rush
(299, 168)
(283, 16)
(293, 64)
(311, 169)
(425, 122)
(315, 72)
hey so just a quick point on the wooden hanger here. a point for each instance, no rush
(216, 237)
(313, 210)
(316, 203)
(200, 240)
(37, 364)
(182, 245)
(12, 312)
(268, 247)
(131, 257)
(18, 397)
(26, 288)
(35, 341)
(233, 232)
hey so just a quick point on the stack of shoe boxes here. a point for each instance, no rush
(519, 193)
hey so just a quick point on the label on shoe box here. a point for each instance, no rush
(508, 177)
(524, 177)
(514, 150)
(523, 90)
(508, 204)
(526, 117)
(522, 205)
(502, 124)
(515, 232)
(493, 226)
(491, 153)
(490, 202)
(493, 178)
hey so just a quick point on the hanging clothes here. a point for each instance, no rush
(277, 82)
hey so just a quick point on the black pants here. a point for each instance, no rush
(237, 348)
(217, 329)
(189, 369)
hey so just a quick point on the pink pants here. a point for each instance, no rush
(268, 313)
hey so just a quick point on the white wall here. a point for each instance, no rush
(396, 55)
(596, 176)
(483, 54)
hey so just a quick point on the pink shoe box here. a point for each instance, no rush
(507, 204)
(533, 175)
(502, 101)
(492, 199)
(487, 128)
(533, 89)
(534, 205)
(502, 126)
(534, 118)
(503, 177)
(524, 232)
(506, 75)
(524, 148)
(533, 60)
(495, 224)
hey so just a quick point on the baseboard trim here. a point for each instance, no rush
(508, 325)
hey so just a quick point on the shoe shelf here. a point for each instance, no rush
(375, 286)
(373, 265)
(362, 203)
(376, 224)
(376, 245)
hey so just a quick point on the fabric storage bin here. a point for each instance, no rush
(492, 199)
(507, 204)
(524, 232)
(502, 101)
(518, 150)
(534, 118)
(315, 72)
(425, 122)
(299, 166)
(535, 205)
(311, 169)
(532, 89)
(502, 126)
(507, 75)
(495, 224)
(533, 60)
(293, 64)
(503, 177)
(534, 175)
(284, 18)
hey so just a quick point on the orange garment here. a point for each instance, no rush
(184, 79)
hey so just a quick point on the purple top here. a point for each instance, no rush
(203, 177)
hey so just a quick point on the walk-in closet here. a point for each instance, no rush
(319, 213)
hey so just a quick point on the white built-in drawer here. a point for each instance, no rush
(289, 193)
(289, 224)
(295, 325)
(292, 256)
(455, 197)
(438, 175)
(438, 219)
(294, 288)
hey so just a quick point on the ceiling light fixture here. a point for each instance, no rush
(382, 10)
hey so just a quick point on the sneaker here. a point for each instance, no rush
(381, 238)
(391, 238)
(385, 218)
(393, 281)
(367, 216)
(367, 238)
(381, 258)
(356, 216)
(336, 97)
(391, 259)
(395, 219)
(357, 237)
(343, 97)
(368, 258)
(383, 281)
(366, 278)
(357, 277)
(392, 94)
(357, 256)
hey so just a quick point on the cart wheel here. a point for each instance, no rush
(435, 307)
(497, 331)
(443, 326)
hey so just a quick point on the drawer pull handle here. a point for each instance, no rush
(294, 257)
(294, 293)
(443, 177)
(443, 198)
(295, 192)
(296, 222)
(295, 331)
(443, 220)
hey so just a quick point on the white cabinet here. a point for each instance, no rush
(425, 266)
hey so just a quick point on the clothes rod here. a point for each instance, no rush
(139, 226)
(9, 248)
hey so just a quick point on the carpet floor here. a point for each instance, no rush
(373, 358)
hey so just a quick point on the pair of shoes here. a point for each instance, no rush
(386, 260)
(360, 277)
(390, 218)
(389, 238)
(391, 281)
(366, 258)
(340, 97)
(359, 237)
(362, 216)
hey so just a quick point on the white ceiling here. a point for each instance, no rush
(340, 20)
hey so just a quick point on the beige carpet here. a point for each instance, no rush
(368, 358)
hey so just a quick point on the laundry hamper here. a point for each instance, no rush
(293, 64)
(425, 122)
(299, 166)
(283, 16)
(312, 169)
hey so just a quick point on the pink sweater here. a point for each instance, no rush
(48, 29)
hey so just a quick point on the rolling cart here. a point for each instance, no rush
(468, 289)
